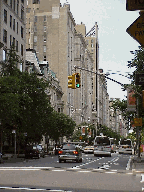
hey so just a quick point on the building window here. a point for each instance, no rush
(35, 28)
(4, 54)
(35, 39)
(35, 47)
(36, 1)
(44, 18)
(13, 41)
(5, 16)
(45, 28)
(35, 19)
(58, 110)
(22, 13)
(16, 46)
(44, 48)
(17, 28)
(10, 40)
(44, 57)
(14, 24)
(17, 7)
(14, 5)
(44, 38)
(11, 3)
(10, 21)
(4, 36)
(22, 1)
(21, 49)
(21, 32)
(21, 67)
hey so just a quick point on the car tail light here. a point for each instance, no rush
(59, 152)
(75, 152)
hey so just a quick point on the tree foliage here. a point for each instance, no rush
(26, 107)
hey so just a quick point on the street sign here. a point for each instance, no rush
(138, 122)
(139, 80)
(136, 30)
(132, 5)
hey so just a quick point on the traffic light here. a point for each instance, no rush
(143, 99)
(78, 81)
(72, 81)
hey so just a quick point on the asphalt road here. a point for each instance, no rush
(109, 174)
(115, 162)
(72, 181)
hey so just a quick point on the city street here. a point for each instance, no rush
(115, 162)
(93, 174)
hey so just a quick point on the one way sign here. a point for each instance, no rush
(136, 30)
(132, 5)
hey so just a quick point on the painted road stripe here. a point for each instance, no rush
(20, 169)
(33, 189)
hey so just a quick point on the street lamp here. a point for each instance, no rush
(14, 131)
(1, 137)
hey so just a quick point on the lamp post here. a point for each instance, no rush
(14, 131)
(1, 136)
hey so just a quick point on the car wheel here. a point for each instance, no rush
(59, 161)
(80, 160)
(64, 161)
(43, 156)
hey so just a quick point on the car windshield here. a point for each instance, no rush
(69, 147)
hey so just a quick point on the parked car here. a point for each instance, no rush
(88, 149)
(41, 150)
(56, 150)
(0, 157)
(32, 152)
(70, 152)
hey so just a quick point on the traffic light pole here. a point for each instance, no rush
(138, 136)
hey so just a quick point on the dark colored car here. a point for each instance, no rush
(32, 152)
(70, 152)
(42, 152)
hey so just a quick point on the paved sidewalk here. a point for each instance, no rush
(138, 164)
(11, 158)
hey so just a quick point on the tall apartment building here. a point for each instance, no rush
(92, 42)
(12, 28)
(50, 30)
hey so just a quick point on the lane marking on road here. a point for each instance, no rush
(129, 162)
(142, 178)
(26, 167)
(58, 170)
(84, 171)
(33, 189)
(110, 172)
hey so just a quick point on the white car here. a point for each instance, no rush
(88, 149)
(126, 149)
(102, 151)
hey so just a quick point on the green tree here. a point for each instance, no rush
(23, 102)
(60, 125)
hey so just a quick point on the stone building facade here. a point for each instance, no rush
(12, 28)
(51, 31)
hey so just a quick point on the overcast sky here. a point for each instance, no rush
(115, 43)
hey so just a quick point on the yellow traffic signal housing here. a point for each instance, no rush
(78, 80)
(71, 81)
(143, 99)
